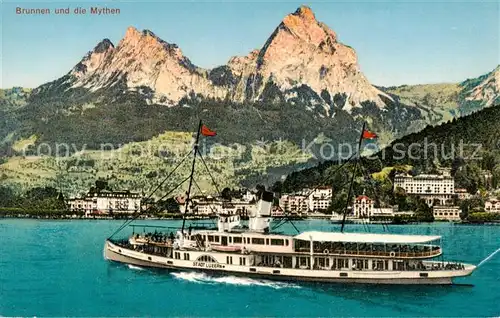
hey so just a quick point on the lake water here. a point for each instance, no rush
(56, 268)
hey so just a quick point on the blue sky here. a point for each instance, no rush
(397, 42)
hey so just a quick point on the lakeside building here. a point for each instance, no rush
(320, 199)
(492, 206)
(82, 205)
(383, 212)
(462, 194)
(433, 188)
(106, 202)
(363, 207)
(307, 200)
(294, 204)
(446, 213)
(208, 205)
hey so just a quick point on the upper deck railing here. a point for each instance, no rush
(434, 251)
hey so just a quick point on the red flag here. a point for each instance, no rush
(205, 131)
(369, 135)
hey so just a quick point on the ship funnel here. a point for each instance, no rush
(260, 216)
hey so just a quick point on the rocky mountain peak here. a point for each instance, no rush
(148, 43)
(132, 33)
(103, 46)
(304, 60)
(305, 12)
(301, 62)
(302, 24)
(93, 59)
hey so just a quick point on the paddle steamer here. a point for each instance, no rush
(254, 250)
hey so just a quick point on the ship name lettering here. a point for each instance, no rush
(207, 265)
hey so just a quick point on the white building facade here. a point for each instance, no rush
(294, 204)
(106, 202)
(492, 206)
(211, 206)
(446, 213)
(430, 187)
(362, 207)
(319, 200)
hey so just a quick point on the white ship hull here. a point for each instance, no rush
(116, 253)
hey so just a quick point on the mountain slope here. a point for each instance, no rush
(472, 140)
(143, 60)
(443, 102)
(300, 85)
(302, 62)
(464, 138)
(303, 53)
(483, 91)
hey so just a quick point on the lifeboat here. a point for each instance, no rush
(229, 248)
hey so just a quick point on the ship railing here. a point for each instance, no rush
(395, 254)
(421, 266)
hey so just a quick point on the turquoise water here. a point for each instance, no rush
(56, 268)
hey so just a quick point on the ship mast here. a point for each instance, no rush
(358, 155)
(191, 176)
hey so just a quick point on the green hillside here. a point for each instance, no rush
(470, 146)
(141, 166)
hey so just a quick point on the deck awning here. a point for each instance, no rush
(365, 238)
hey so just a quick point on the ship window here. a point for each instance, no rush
(207, 259)
(286, 241)
(320, 261)
(230, 239)
(303, 261)
(237, 240)
(216, 239)
(277, 242)
(229, 260)
(186, 256)
(259, 241)
(243, 261)
(210, 238)
(343, 263)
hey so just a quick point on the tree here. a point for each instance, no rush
(40, 194)
(226, 194)
(277, 187)
(7, 197)
(171, 205)
(469, 177)
(260, 189)
(101, 185)
(338, 203)
(475, 203)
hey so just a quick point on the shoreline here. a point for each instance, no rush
(178, 218)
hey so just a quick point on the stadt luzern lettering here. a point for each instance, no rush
(207, 265)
